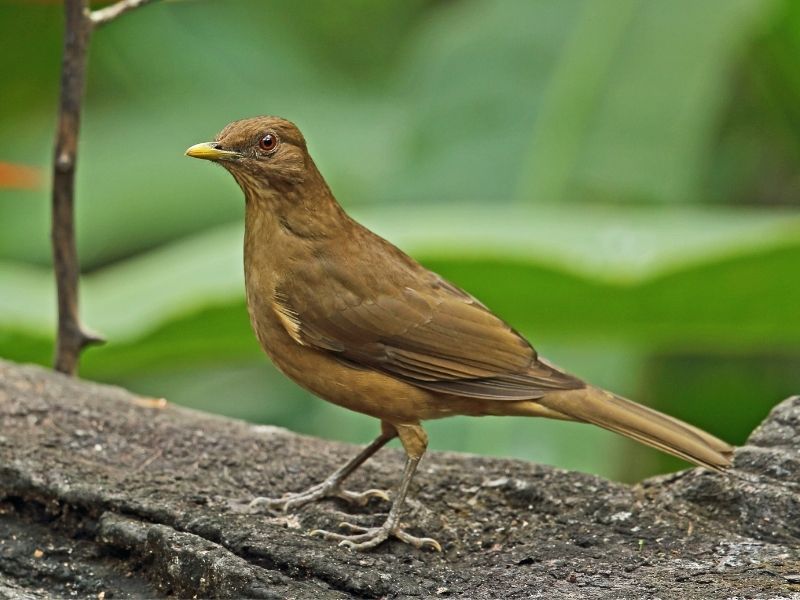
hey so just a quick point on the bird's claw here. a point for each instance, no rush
(260, 503)
(366, 538)
(353, 528)
(325, 489)
(361, 498)
(417, 542)
(283, 503)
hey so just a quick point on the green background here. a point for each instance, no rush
(620, 180)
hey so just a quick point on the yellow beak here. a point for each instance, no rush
(211, 151)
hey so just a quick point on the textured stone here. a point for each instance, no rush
(104, 492)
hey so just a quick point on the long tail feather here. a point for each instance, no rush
(642, 424)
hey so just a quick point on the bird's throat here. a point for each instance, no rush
(306, 211)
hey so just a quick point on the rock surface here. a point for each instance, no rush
(104, 494)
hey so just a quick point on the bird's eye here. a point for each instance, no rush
(268, 143)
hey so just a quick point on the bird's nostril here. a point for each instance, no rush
(216, 146)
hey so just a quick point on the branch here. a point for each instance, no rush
(109, 13)
(72, 337)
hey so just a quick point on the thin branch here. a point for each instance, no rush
(102, 16)
(72, 337)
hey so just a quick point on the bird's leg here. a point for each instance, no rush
(331, 487)
(415, 441)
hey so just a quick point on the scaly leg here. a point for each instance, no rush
(331, 487)
(415, 442)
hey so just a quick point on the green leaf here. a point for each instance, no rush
(474, 100)
(641, 275)
(558, 101)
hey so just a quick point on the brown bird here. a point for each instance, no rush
(354, 320)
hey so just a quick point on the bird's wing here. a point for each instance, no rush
(418, 328)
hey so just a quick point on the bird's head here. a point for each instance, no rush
(259, 151)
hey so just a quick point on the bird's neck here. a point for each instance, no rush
(305, 210)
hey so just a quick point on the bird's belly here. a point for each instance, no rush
(361, 390)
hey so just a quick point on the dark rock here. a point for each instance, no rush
(103, 493)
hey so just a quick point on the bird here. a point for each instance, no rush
(356, 321)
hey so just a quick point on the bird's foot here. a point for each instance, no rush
(326, 489)
(366, 538)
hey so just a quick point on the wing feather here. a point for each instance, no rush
(413, 325)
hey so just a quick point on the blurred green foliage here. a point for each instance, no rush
(618, 179)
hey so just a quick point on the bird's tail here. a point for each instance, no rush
(643, 424)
